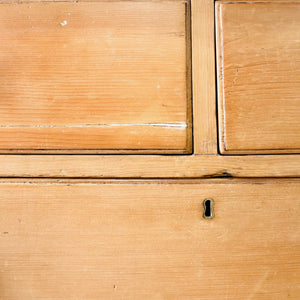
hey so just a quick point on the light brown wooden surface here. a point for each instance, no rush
(95, 75)
(148, 240)
(139, 166)
(259, 77)
(203, 63)
(244, 1)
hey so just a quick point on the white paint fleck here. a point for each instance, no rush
(158, 86)
(64, 23)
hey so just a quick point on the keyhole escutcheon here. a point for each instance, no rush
(208, 208)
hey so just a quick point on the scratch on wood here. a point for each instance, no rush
(179, 125)
(258, 285)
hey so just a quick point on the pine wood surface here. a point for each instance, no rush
(259, 77)
(99, 75)
(148, 240)
(203, 77)
(150, 166)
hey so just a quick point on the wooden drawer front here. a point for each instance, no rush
(148, 240)
(105, 75)
(259, 77)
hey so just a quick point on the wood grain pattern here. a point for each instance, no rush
(259, 77)
(148, 240)
(204, 94)
(94, 76)
(139, 166)
(251, 1)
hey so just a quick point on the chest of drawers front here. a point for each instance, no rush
(149, 150)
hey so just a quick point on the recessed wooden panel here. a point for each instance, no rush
(148, 240)
(105, 75)
(259, 77)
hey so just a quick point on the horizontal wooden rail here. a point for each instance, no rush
(150, 166)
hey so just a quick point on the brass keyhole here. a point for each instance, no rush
(208, 206)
